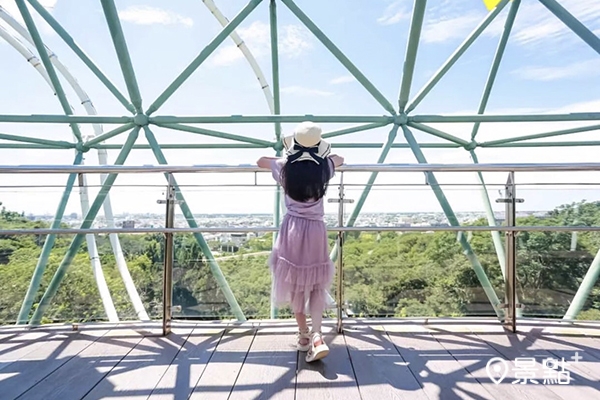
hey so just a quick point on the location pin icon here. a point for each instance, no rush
(497, 369)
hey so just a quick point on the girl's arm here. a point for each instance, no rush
(337, 160)
(265, 162)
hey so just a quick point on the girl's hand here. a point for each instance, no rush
(337, 160)
(265, 162)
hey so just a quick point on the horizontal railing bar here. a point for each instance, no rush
(263, 119)
(66, 119)
(104, 169)
(523, 186)
(267, 229)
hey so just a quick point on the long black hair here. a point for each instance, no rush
(305, 180)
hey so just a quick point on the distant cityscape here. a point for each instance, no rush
(147, 220)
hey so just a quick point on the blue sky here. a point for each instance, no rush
(546, 69)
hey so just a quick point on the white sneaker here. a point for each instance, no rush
(317, 352)
(302, 337)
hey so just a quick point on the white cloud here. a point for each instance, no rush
(146, 15)
(342, 79)
(535, 23)
(227, 56)
(304, 91)
(10, 6)
(394, 13)
(454, 20)
(446, 28)
(580, 69)
(294, 40)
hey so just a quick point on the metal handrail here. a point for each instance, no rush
(397, 228)
(216, 168)
(508, 317)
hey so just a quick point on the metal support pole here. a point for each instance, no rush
(262, 81)
(40, 268)
(337, 53)
(354, 129)
(444, 119)
(340, 259)
(363, 197)
(576, 26)
(231, 119)
(500, 253)
(78, 239)
(437, 133)
(107, 135)
(510, 306)
(204, 54)
(276, 111)
(189, 216)
(540, 136)
(116, 32)
(341, 200)
(449, 212)
(221, 135)
(411, 52)
(103, 291)
(586, 286)
(77, 50)
(455, 56)
(168, 259)
(37, 39)
(508, 24)
(59, 144)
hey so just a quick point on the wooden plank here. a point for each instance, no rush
(80, 374)
(381, 372)
(6, 334)
(586, 365)
(473, 353)
(585, 339)
(269, 370)
(512, 346)
(36, 365)
(329, 378)
(16, 347)
(438, 372)
(181, 377)
(220, 375)
(137, 374)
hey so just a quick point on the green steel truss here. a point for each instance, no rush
(398, 118)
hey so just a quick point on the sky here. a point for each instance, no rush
(546, 69)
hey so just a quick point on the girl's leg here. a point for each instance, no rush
(318, 349)
(301, 320)
(317, 303)
(303, 332)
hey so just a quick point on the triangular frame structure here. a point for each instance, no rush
(400, 118)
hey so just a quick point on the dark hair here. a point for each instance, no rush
(305, 180)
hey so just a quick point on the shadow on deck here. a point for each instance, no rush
(372, 359)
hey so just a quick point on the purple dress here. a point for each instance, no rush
(300, 265)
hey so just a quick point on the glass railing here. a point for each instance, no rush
(402, 255)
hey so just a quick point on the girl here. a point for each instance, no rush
(300, 265)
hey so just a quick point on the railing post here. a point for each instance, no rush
(168, 256)
(340, 259)
(510, 305)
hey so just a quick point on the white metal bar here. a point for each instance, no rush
(246, 168)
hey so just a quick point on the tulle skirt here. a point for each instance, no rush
(301, 269)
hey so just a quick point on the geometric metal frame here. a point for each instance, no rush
(399, 119)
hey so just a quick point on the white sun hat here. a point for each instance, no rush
(306, 144)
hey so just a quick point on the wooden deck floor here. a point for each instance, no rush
(374, 359)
